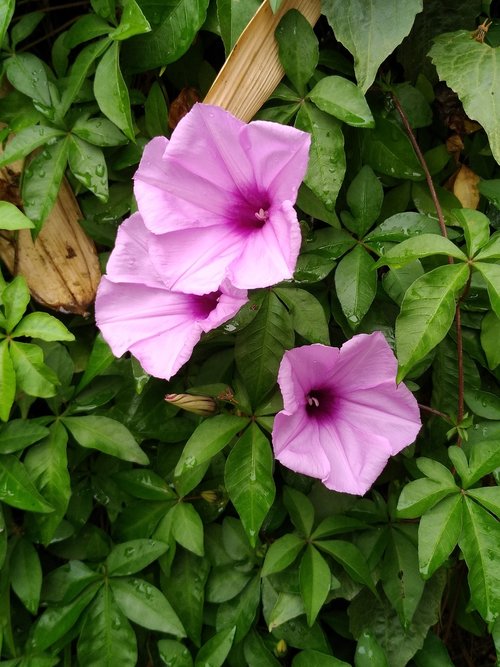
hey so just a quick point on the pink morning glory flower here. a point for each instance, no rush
(219, 198)
(136, 312)
(344, 415)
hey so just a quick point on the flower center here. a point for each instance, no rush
(205, 304)
(251, 211)
(319, 402)
(262, 215)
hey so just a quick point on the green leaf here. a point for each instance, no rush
(7, 381)
(104, 8)
(397, 281)
(132, 22)
(32, 375)
(17, 489)
(308, 315)
(300, 509)
(476, 228)
(225, 583)
(335, 525)
(233, 18)
(256, 652)
(42, 179)
(100, 358)
(47, 465)
(156, 111)
(249, 479)
(106, 435)
(369, 653)
(20, 433)
(419, 496)
(27, 140)
(400, 576)
(297, 48)
(364, 197)
(470, 68)
(424, 245)
(208, 439)
(111, 92)
(356, 284)
(26, 574)
(185, 589)
(488, 497)
(98, 131)
(483, 403)
(341, 98)
(44, 326)
(6, 13)
(79, 72)
(282, 553)
(490, 335)
(491, 190)
(55, 622)
(174, 654)
(427, 313)
(438, 534)
(480, 544)
(350, 558)
(311, 657)
(175, 24)
(187, 528)
(88, 165)
(401, 226)
(215, 651)
(145, 605)
(27, 73)
(417, 109)
(106, 637)
(370, 31)
(327, 165)
(314, 580)
(240, 611)
(130, 557)
(260, 346)
(484, 453)
(388, 150)
(144, 484)
(12, 218)
(433, 653)
(435, 470)
(491, 275)
(15, 298)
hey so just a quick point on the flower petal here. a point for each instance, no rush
(195, 260)
(159, 327)
(296, 444)
(129, 262)
(171, 195)
(365, 361)
(279, 156)
(274, 248)
(303, 369)
(390, 411)
(357, 457)
(230, 301)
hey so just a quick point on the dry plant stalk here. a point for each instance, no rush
(61, 267)
(253, 70)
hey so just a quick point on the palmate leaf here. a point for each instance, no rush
(480, 544)
(472, 69)
(356, 284)
(343, 99)
(314, 578)
(249, 479)
(427, 313)
(298, 48)
(370, 30)
(233, 17)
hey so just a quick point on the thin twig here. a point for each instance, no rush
(442, 225)
(433, 411)
(50, 34)
(45, 10)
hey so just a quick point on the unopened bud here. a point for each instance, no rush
(200, 405)
(280, 649)
(210, 496)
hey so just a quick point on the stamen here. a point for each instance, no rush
(312, 400)
(262, 215)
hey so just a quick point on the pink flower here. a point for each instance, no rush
(344, 415)
(135, 311)
(219, 197)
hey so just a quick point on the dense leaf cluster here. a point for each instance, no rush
(135, 533)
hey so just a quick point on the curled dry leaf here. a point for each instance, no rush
(182, 104)
(463, 184)
(61, 267)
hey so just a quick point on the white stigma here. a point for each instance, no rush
(312, 400)
(262, 215)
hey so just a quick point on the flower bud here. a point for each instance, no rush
(200, 405)
(210, 496)
(281, 648)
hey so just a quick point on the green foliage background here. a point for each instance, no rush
(135, 533)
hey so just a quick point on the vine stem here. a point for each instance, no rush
(442, 225)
